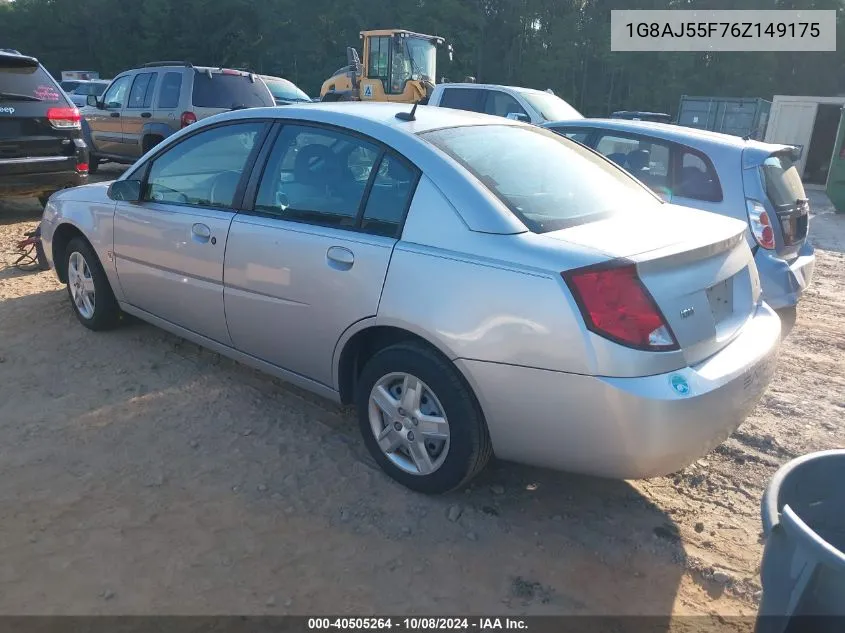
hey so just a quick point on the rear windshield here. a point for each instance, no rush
(284, 90)
(548, 181)
(783, 183)
(20, 81)
(229, 91)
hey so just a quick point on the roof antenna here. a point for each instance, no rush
(408, 116)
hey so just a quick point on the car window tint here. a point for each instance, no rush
(204, 169)
(115, 96)
(644, 158)
(696, 179)
(462, 99)
(171, 86)
(502, 104)
(22, 77)
(378, 61)
(546, 180)
(392, 189)
(316, 176)
(139, 90)
(228, 91)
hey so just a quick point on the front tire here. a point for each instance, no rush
(90, 293)
(420, 420)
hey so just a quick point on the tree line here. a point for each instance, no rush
(559, 44)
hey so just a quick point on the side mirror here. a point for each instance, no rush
(125, 190)
(91, 100)
(518, 116)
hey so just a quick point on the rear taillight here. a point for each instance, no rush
(761, 224)
(82, 168)
(187, 119)
(64, 118)
(616, 305)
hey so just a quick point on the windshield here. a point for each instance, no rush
(783, 183)
(551, 107)
(547, 181)
(284, 90)
(414, 58)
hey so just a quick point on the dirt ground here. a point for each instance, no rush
(140, 474)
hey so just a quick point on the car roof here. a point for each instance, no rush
(495, 87)
(669, 132)
(347, 114)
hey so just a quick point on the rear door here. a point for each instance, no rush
(218, 91)
(138, 112)
(28, 141)
(310, 259)
(166, 106)
(104, 123)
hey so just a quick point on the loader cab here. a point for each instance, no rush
(398, 66)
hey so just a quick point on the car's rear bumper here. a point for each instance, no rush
(783, 281)
(37, 181)
(625, 427)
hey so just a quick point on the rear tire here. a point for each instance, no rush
(88, 287)
(443, 429)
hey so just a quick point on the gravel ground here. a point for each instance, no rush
(141, 474)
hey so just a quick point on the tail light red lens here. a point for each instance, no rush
(82, 168)
(616, 305)
(187, 119)
(64, 118)
(761, 224)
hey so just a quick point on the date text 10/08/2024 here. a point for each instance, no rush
(724, 29)
(418, 624)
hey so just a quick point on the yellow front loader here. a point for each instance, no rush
(398, 66)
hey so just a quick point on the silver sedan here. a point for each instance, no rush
(474, 285)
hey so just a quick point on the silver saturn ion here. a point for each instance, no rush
(474, 285)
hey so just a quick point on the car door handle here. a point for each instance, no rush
(201, 233)
(340, 258)
(146, 115)
(114, 115)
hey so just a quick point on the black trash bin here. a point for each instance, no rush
(803, 570)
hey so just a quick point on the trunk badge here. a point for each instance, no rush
(687, 313)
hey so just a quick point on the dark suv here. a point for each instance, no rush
(143, 106)
(41, 146)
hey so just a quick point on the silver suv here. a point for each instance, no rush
(142, 107)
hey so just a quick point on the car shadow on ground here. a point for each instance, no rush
(242, 487)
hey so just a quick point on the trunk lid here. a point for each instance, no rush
(696, 265)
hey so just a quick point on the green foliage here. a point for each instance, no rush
(558, 44)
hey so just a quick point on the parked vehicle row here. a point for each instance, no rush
(474, 285)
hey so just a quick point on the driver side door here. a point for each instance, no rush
(104, 123)
(169, 247)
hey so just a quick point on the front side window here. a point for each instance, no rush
(379, 59)
(316, 176)
(204, 169)
(115, 97)
(141, 94)
(502, 104)
(547, 181)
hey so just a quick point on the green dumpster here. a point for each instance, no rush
(836, 176)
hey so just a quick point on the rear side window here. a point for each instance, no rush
(229, 91)
(171, 86)
(783, 183)
(547, 181)
(22, 81)
(463, 99)
(389, 198)
(696, 178)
